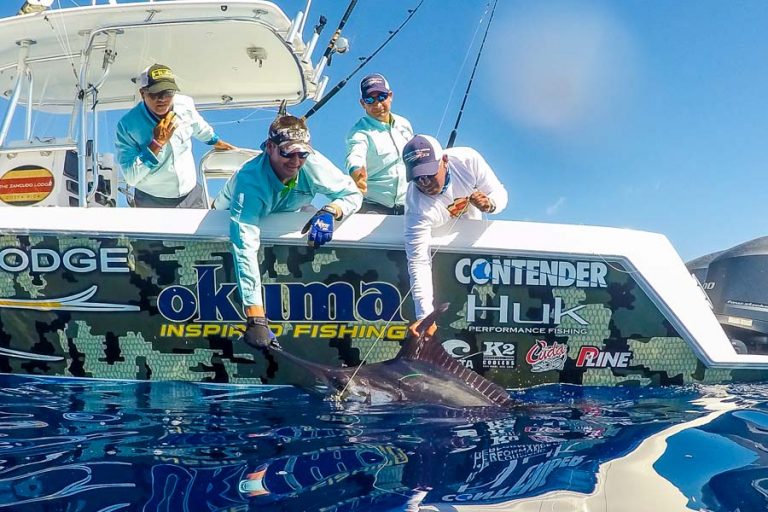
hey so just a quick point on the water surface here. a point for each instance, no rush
(80, 445)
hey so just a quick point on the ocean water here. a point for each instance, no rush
(82, 445)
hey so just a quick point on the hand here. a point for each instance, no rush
(482, 202)
(320, 227)
(360, 175)
(223, 146)
(165, 128)
(257, 333)
(415, 329)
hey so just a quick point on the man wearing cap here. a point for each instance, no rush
(374, 146)
(284, 177)
(443, 185)
(154, 144)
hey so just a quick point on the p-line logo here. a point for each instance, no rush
(315, 309)
(592, 357)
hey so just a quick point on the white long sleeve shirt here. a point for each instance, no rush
(469, 172)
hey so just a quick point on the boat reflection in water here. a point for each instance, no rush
(185, 446)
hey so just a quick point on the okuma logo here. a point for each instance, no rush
(339, 302)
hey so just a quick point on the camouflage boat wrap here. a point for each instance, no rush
(123, 308)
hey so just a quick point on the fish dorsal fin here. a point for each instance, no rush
(427, 349)
(413, 347)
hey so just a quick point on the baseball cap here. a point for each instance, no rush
(373, 83)
(290, 134)
(421, 156)
(157, 78)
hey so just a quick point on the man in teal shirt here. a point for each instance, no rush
(154, 144)
(374, 147)
(285, 177)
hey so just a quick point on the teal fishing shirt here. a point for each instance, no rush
(172, 172)
(255, 191)
(379, 147)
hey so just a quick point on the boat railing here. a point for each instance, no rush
(222, 165)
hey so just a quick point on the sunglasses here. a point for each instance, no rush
(162, 95)
(425, 181)
(381, 97)
(300, 154)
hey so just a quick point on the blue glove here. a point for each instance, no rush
(320, 227)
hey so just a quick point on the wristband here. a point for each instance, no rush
(493, 206)
(156, 143)
(337, 215)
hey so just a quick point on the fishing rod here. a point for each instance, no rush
(339, 86)
(455, 130)
(336, 43)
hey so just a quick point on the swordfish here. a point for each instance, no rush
(422, 372)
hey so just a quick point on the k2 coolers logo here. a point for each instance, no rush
(496, 354)
(314, 309)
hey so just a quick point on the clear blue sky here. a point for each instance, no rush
(642, 114)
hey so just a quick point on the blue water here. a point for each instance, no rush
(77, 445)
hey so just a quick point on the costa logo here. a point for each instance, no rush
(26, 185)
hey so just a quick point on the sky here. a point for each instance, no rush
(639, 114)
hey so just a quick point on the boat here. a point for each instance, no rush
(92, 289)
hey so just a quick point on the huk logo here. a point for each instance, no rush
(544, 357)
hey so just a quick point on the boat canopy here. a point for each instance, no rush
(237, 53)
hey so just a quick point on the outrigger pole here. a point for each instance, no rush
(339, 86)
(455, 130)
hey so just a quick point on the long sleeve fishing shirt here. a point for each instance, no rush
(378, 147)
(172, 172)
(255, 192)
(468, 172)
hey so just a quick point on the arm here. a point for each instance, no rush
(135, 161)
(488, 183)
(203, 131)
(246, 211)
(357, 151)
(418, 237)
(334, 184)
(224, 198)
(245, 250)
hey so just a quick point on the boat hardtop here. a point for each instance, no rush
(250, 43)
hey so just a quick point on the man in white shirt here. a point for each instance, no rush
(442, 185)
